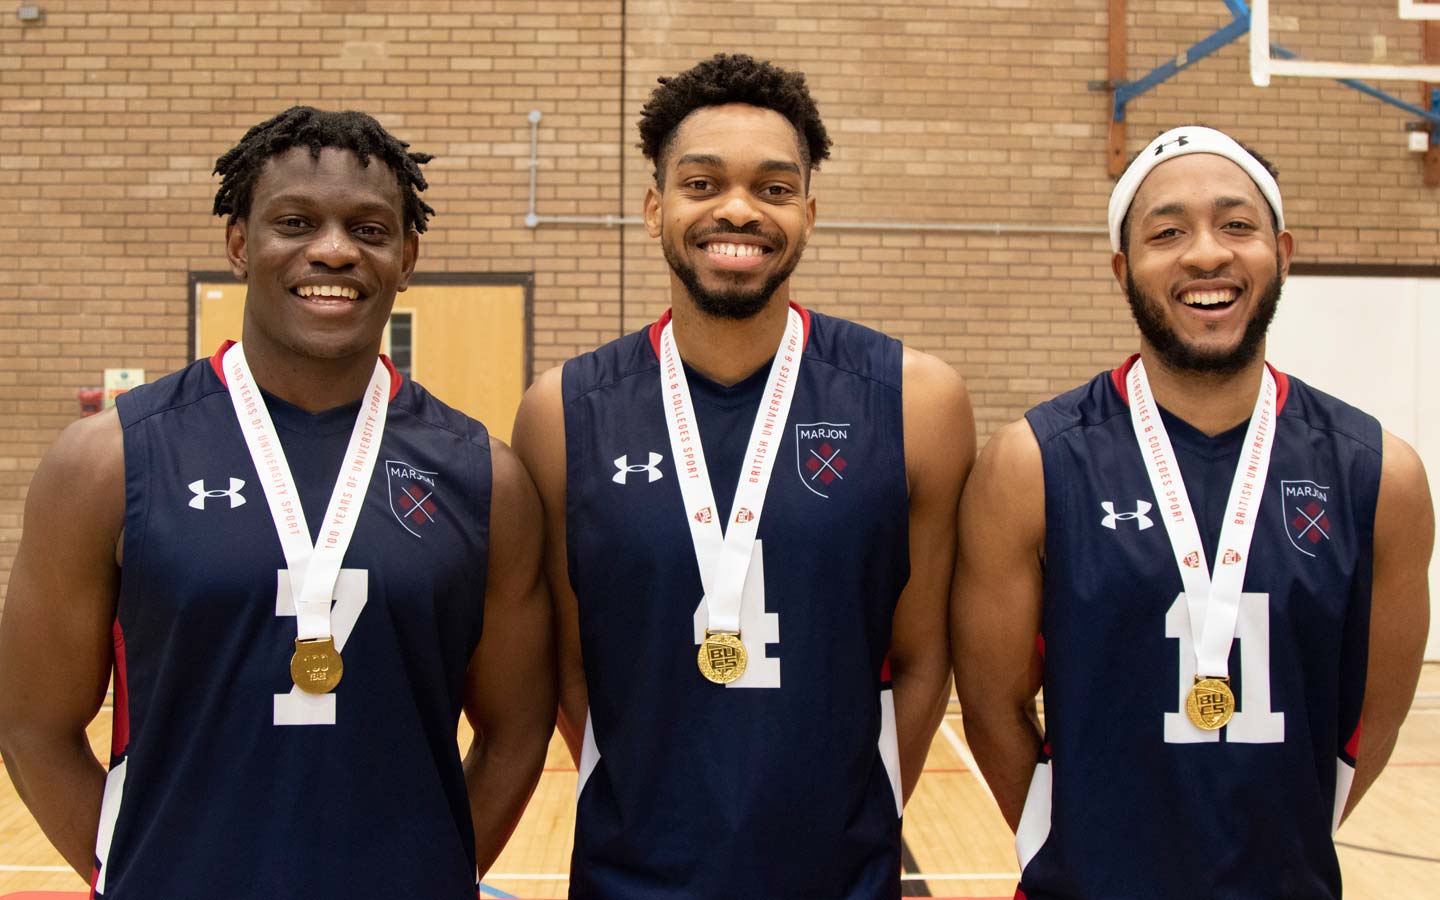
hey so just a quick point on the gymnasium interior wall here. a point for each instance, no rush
(943, 113)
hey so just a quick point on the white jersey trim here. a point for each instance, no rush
(589, 757)
(890, 748)
(109, 815)
(1344, 780)
(1034, 828)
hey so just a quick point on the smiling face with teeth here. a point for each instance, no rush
(734, 212)
(323, 251)
(1204, 266)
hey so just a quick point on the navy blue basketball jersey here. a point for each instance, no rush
(1130, 800)
(786, 782)
(225, 780)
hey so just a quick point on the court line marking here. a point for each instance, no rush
(1395, 853)
(915, 876)
(982, 876)
(965, 755)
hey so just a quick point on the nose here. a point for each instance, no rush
(1206, 252)
(737, 209)
(333, 247)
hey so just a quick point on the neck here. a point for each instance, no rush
(727, 351)
(314, 385)
(1211, 403)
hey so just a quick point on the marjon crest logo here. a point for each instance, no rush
(818, 455)
(412, 496)
(1306, 524)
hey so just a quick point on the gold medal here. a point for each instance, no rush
(722, 657)
(316, 666)
(1210, 703)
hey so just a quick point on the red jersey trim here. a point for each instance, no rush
(217, 363)
(658, 326)
(120, 720)
(1122, 371)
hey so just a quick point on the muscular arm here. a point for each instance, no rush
(56, 649)
(1399, 608)
(995, 612)
(540, 441)
(939, 450)
(510, 690)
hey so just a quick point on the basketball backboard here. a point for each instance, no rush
(1393, 52)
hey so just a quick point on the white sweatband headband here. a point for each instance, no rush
(1178, 142)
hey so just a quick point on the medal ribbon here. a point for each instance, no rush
(724, 557)
(313, 568)
(1213, 601)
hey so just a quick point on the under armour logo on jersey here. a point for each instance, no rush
(201, 495)
(652, 468)
(1180, 141)
(1138, 516)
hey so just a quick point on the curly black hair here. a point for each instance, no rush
(731, 78)
(1265, 163)
(305, 126)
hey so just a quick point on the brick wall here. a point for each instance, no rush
(946, 113)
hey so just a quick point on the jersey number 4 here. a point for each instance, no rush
(757, 628)
(352, 589)
(1253, 723)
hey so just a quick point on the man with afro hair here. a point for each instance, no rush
(299, 566)
(751, 532)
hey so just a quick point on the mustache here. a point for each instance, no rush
(751, 230)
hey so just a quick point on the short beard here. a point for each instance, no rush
(734, 303)
(1181, 357)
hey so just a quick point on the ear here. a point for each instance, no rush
(809, 216)
(1120, 266)
(652, 211)
(1285, 251)
(236, 250)
(411, 256)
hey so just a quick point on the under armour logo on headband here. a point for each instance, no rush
(1180, 141)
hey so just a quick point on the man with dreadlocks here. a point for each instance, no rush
(751, 529)
(291, 647)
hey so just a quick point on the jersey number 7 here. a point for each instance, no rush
(352, 589)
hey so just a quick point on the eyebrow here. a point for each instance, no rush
(364, 207)
(711, 159)
(1221, 203)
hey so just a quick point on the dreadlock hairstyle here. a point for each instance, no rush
(305, 126)
(727, 78)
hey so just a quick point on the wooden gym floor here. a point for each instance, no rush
(956, 843)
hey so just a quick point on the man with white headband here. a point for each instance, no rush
(1214, 571)
(751, 511)
(285, 555)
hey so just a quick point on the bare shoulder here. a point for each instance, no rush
(939, 423)
(539, 432)
(1008, 484)
(931, 379)
(74, 513)
(511, 487)
(1403, 512)
(85, 467)
(1013, 445)
(1401, 469)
